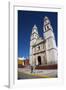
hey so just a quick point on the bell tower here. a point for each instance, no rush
(34, 35)
(33, 38)
(51, 49)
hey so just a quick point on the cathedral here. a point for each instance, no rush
(43, 51)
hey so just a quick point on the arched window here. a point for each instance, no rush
(38, 47)
(48, 27)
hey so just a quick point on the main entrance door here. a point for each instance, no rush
(39, 60)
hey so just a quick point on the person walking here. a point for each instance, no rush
(31, 69)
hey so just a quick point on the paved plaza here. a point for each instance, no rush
(25, 73)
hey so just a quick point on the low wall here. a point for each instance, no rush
(55, 66)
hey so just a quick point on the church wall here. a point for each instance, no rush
(30, 50)
(50, 43)
(34, 60)
(30, 60)
(39, 52)
(43, 58)
(39, 48)
(42, 46)
(48, 34)
(51, 56)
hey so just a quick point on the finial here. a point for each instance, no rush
(34, 27)
(45, 18)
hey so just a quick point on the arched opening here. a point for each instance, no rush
(39, 60)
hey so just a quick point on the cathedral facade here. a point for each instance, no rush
(43, 51)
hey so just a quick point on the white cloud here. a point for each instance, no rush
(21, 58)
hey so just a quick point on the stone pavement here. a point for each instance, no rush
(22, 75)
(40, 73)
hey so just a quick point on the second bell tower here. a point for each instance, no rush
(51, 49)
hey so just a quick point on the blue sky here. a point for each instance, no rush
(26, 20)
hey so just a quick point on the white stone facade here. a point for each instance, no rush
(43, 51)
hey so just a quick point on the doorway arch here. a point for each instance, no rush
(39, 60)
